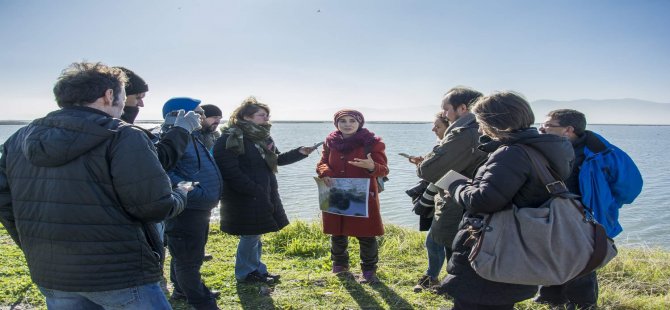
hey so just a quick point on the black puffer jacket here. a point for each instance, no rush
(250, 203)
(506, 177)
(76, 191)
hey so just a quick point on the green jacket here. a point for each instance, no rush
(457, 151)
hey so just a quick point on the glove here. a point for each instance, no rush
(421, 210)
(189, 121)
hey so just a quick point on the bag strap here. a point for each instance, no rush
(554, 185)
(557, 188)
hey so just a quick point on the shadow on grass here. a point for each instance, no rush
(251, 298)
(357, 292)
(393, 300)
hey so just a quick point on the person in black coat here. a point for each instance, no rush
(506, 178)
(248, 158)
(78, 190)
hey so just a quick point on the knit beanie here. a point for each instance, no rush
(180, 103)
(211, 110)
(136, 85)
(358, 116)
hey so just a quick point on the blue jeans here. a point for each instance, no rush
(187, 236)
(436, 256)
(248, 257)
(148, 296)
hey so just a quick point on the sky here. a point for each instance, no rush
(393, 60)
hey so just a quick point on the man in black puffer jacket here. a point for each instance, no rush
(78, 190)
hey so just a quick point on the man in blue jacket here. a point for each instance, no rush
(606, 178)
(187, 233)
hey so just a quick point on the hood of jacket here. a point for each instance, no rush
(557, 150)
(66, 134)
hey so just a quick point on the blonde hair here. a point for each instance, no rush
(248, 107)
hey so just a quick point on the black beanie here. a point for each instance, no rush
(136, 85)
(211, 110)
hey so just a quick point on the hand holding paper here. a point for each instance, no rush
(449, 178)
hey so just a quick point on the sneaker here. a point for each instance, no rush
(215, 294)
(274, 277)
(207, 257)
(425, 282)
(339, 269)
(257, 277)
(369, 277)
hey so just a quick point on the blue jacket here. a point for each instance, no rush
(608, 178)
(197, 164)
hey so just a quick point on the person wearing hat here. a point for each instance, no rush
(136, 89)
(173, 142)
(210, 125)
(352, 151)
(187, 233)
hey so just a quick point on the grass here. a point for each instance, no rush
(635, 279)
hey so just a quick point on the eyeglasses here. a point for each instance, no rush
(549, 125)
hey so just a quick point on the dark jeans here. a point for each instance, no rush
(186, 236)
(369, 252)
(581, 292)
(462, 305)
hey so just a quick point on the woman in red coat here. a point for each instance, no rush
(344, 156)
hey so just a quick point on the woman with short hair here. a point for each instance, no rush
(248, 159)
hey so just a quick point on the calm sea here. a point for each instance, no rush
(646, 222)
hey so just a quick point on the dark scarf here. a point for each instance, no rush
(258, 134)
(362, 137)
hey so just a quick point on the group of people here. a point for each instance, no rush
(481, 142)
(92, 200)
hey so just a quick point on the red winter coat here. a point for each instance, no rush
(335, 165)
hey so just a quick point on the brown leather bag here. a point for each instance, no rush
(548, 245)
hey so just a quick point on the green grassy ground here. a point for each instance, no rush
(636, 279)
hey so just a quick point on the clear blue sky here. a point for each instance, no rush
(306, 59)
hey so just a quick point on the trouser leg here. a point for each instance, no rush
(338, 250)
(187, 237)
(436, 256)
(248, 256)
(369, 253)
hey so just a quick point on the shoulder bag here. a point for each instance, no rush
(547, 245)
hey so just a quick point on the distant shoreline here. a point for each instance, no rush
(25, 122)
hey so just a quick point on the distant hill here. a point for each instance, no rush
(610, 111)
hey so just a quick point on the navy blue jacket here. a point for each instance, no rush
(197, 164)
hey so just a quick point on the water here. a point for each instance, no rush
(646, 222)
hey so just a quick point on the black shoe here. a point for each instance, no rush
(207, 257)
(257, 277)
(215, 294)
(177, 296)
(274, 277)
